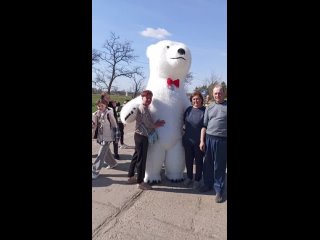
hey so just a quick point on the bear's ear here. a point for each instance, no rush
(150, 50)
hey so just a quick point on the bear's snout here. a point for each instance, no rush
(181, 51)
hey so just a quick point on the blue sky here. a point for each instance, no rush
(200, 24)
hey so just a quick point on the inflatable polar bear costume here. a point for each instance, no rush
(169, 61)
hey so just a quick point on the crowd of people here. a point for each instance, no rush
(204, 139)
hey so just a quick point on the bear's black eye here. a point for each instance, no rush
(168, 46)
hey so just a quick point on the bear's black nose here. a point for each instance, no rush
(181, 51)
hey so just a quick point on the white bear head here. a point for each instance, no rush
(169, 59)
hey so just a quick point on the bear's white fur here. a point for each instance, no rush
(167, 59)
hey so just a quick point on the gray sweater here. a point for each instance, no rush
(215, 119)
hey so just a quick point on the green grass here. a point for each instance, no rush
(117, 98)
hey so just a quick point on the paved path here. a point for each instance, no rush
(171, 211)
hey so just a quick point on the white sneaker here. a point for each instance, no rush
(187, 181)
(123, 146)
(113, 166)
(95, 175)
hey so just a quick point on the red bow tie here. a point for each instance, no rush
(174, 82)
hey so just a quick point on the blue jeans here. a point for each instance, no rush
(215, 162)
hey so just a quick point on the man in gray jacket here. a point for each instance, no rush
(213, 141)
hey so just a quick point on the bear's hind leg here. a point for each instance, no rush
(175, 163)
(155, 159)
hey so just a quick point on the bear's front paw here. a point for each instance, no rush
(131, 115)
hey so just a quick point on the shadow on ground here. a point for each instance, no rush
(164, 186)
(167, 186)
(104, 181)
(122, 156)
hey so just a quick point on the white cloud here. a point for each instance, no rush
(158, 33)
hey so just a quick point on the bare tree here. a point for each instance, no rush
(95, 56)
(224, 85)
(189, 78)
(212, 80)
(208, 84)
(101, 79)
(137, 86)
(116, 58)
(115, 88)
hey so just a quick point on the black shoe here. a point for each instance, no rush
(204, 188)
(117, 156)
(218, 198)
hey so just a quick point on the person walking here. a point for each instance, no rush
(107, 97)
(104, 122)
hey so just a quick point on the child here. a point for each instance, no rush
(104, 120)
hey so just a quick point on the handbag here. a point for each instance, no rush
(152, 136)
(95, 121)
(96, 133)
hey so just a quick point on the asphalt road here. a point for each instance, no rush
(170, 211)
